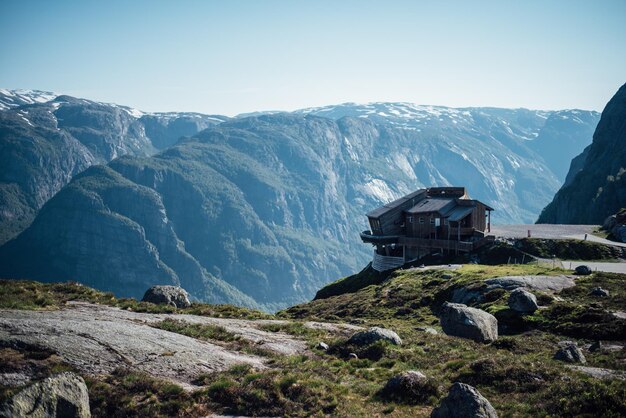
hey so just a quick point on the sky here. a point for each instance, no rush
(236, 56)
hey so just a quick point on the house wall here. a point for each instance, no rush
(392, 222)
(425, 230)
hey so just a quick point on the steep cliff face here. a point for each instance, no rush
(598, 188)
(45, 140)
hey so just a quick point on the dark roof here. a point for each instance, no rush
(426, 203)
(440, 205)
(395, 204)
(459, 212)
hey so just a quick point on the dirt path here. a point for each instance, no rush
(96, 339)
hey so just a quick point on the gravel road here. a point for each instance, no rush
(551, 231)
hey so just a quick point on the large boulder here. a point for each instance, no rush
(167, 295)
(619, 232)
(522, 301)
(464, 401)
(374, 334)
(411, 387)
(462, 321)
(64, 395)
(583, 270)
(570, 353)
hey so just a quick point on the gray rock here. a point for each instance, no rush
(167, 295)
(609, 222)
(583, 270)
(619, 232)
(600, 292)
(64, 395)
(322, 346)
(353, 356)
(464, 401)
(543, 283)
(570, 353)
(462, 321)
(411, 386)
(375, 334)
(523, 301)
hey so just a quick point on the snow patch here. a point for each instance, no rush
(379, 190)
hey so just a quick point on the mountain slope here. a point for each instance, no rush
(271, 205)
(46, 140)
(596, 186)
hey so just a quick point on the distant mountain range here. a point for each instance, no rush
(46, 139)
(259, 210)
(596, 184)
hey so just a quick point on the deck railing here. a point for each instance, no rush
(443, 244)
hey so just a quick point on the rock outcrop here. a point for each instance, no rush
(462, 321)
(373, 335)
(464, 401)
(64, 395)
(522, 301)
(616, 225)
(167, 295)
(599, 188)
(569, 352)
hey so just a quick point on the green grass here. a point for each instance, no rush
(127, 393)
(32, 295)
(516, 373)
(565, 249)
(199, 331)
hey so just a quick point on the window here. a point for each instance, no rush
(409, 219)
(421, 220)
(432, 221)
(437, 221)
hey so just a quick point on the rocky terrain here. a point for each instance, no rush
(487, 340)
(596, 187)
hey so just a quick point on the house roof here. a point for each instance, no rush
(459, 212)
(440, 205)
(420, 201)
(394, 205)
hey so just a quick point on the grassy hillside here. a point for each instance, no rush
(517, 372)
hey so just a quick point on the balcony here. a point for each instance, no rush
(368, 237)
(443, 244)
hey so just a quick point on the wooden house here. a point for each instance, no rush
(438, 218)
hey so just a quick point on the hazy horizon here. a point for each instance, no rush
(242, 56)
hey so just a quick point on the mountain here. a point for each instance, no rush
(13, 98)
(596, 185)
(45, 140)
(266, 209)
(498, 153)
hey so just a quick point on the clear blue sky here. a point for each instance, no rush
(238, 56)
